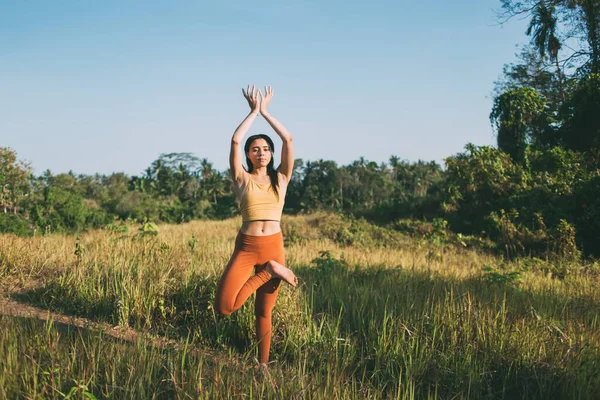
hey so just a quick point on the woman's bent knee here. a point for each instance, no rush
(222, 309)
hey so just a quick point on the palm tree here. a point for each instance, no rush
(542, 28)
(206, 169)
(590, 10)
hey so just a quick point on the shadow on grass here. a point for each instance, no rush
(466, 338)
(57, 297)
(181, 312)
(42, 356)
(470, 338)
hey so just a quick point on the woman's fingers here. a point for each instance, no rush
(254, 94)
(268, 91)
(247, 93)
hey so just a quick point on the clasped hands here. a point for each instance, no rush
(256, 100)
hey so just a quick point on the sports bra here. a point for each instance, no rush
(258, 201)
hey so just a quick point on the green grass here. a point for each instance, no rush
(414, 320)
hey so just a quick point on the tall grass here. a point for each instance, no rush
(390, 317)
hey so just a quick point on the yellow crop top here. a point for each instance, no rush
(258, 200)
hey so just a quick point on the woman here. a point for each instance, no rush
(259, 244)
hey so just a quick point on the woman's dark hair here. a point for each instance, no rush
(270, 167)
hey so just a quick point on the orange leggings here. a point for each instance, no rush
(237, 283)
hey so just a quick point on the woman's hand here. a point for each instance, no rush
(252, 96)
(266, 99)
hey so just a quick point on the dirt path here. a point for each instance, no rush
(13, 308)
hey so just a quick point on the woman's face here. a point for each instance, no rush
(259, 153)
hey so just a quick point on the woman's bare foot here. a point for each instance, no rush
(264, 371)
(262, 367)
(282, 272)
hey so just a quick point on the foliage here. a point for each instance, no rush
(491, 275)
(525, 211)
(532, 71)
(14, 223)
(14, 176)
(482, 192)
(328, 263)
(563, 21)
(513, 114)
(147, 230)
(350, 231)
(587, 214)
(581, 113)
(480, 181)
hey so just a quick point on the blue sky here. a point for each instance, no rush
(107, 86)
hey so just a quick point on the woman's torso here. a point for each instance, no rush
(262, 227)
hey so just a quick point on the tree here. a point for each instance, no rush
(168, 174)
(479, 181)
(581, 112)
(542, 28)
(514, 115)
(587, 14)
(295, 188)
(14, 179)
(319, 186)
(580, 23)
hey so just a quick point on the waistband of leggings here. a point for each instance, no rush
(251, 240)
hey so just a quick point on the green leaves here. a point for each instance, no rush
(492, 275)
(147, 230)
(581, 112)
(514, 115)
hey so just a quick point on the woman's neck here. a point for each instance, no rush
(261, 171)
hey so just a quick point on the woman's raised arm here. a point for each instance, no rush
(236, 156)
(287, 151)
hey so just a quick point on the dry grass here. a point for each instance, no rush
(395, 318)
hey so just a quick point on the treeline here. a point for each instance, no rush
(180, 187)
(549, 206)
(537, 193)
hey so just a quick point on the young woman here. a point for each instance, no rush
(259, 245)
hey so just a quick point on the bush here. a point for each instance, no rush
(15, 223)
(137, 205)
(587, 215)
(534, 209)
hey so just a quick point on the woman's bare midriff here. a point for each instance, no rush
(260, 228)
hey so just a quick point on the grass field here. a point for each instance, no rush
(386, 317)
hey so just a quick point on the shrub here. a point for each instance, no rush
(14, 223)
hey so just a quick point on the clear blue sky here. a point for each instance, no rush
(106, 86)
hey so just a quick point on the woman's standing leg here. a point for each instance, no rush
(265, 299)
